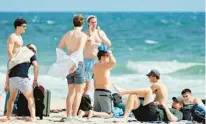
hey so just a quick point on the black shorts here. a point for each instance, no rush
(149, 112)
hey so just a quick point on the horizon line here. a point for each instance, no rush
(108, 11)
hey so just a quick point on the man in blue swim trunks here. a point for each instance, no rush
(95, 38)
(74, 41)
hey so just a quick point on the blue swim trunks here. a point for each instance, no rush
(78, 76)
(89, 63)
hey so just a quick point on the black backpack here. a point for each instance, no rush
(85, 104)
(117, 99)
(198, 114)
(186, 111)
(22, 103)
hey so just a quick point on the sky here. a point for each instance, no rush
(103, 5)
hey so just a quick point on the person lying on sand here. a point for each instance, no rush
(147, 109)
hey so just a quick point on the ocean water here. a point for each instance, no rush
(171, 42)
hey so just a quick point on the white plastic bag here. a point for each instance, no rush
(63, 63)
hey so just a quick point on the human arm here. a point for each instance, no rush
(104, 38)
(6, 87)
(36, 71)
(62, 42)
(10, 47)
(112, 61)
(155, 87)
(170, 116)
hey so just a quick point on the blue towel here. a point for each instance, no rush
(102, 47)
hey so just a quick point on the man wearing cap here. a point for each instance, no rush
(147, 109)
(95, 38)
(19, 80)
(177, 103)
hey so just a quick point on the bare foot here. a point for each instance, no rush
(33, 119)
(81, 113)
(118, 89)
(90, 114)
(4, 119)
(117, 120)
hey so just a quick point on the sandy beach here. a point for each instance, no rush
(55, 118)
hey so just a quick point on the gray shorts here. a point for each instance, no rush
(77, 77)
(19, 83)
(103, 101)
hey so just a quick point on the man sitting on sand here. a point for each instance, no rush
(189, 99)
(19, 80)
(103, 85)
(148, 110)
(193, 104)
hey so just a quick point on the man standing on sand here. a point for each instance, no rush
(147, 110)
(14, 42)
(75, 41)
(95, 38)
(19, 80)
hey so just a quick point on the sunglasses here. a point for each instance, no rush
(24, 26)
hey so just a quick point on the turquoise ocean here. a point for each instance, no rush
(172, 42)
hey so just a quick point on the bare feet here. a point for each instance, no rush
(119, 90)
(90, 114)
(81, 113)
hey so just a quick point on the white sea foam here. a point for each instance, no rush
(151, 42)
(165, 67)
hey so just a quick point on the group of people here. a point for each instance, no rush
(95, 63)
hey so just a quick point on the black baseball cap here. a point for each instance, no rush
(154, 73)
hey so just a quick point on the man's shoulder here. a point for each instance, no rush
(83, 34)
(12, 37)
(86, 32)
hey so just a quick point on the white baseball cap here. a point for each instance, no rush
(32, 46)
(91, 16)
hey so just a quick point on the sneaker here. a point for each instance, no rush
(76, 118)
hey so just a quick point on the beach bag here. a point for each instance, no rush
(186, 111)
(198, 114)
(117, 99)
(47, 102)
(85, 104)
(22, 103)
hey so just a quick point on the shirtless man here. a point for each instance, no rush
(19, 80)
(14, 42)
(96, 38)
(103, 85)
(75, 40)
(190, 100)
(147, 110)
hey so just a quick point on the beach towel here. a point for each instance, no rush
(23, 55)
(64, 62)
